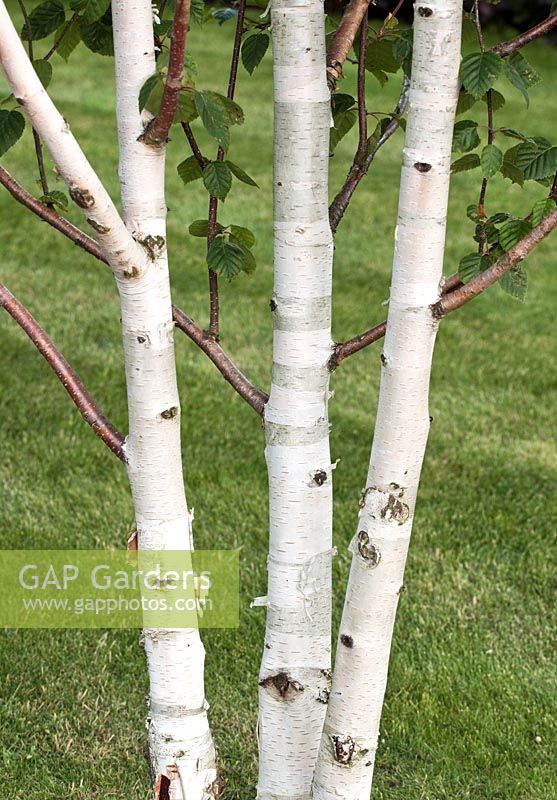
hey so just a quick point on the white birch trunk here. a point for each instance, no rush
(295, 670)
(180, 740)
(348, 746)
(180, 743)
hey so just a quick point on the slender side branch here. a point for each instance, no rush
(157, 130)
(226, 366)
(213, 201)
(362, 163)
(505, 49)
(81, 398)
(343, 39)
(466, 292)
(230, 372)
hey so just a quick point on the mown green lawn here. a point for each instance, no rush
(473, 679)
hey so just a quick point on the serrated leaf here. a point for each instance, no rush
(150, 94)
(240, 174)
(197, 11)
(465, 102)
(90, 10)
(478, 72)
(97, 36)
(69, 41)
(343, 123)
(521, 74)
(470, 161)
(217, 179)
(185, 107)
(514, 134)
(497, 100)
(541, 209)
(44, 71)
(470, 266)
(491, 160)
(234, 111)
(402, 50)
(44, 19)
(189, 170)
(214, 116)
(226, 257)
(465, 136)
(56, 198)
(12, 124)
(512, 232)
(244, 235)
(340, 102)
(253, 50)
(535, 160)
(515, 282)
(381, 58)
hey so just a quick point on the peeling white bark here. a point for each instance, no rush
(180, 743)
(294, 676)
(347, 751)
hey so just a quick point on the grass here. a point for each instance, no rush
(472, 681)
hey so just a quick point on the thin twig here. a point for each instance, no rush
(81, 398)
(360, 167)
(255, 397)
(343, 39)
(505, 49)
(196, 152)
(214, 323)
(63, 32)
(362, 112)
(156, 132)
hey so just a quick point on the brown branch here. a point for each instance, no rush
(214, 325)
(490, 131)
(505, 49)
(357, 343)
(62, 35)
(343, 39)
(196, 152)
(156, 132)
(362, 111)
(360, 166)
(213, 350)
(230, 372)
(85, 404)
(458, 297)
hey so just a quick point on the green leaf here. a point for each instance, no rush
(240, 174)
(234, 111)
(535, 160)
(214, 116)
(185, 108)
(248, 264)
(200, 227)
(541, 209)
(341, 102)
(521, 74)
(402, 49)
(514, 134)
(253, 50)
(510, 171)
(497, 100)
(91, 10)
(226, 257)
(244, 235)
(150, 94)
(12, 124)
(465, 102)
(512, 232)
(69, 41)
(515, 282)
(343, 123)
(381, 58)
(44, 71)
(56, 198)
(465, 136)
(197, 11)
(217, 179)
(470, 161)
(491, 160)
(98, 35)
(478, 72)
(469, 267)
(189, 170)
(44, 19)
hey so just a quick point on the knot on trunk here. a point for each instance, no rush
(281, 686)
(368, 551)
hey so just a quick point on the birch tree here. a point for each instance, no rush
(315, 740)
